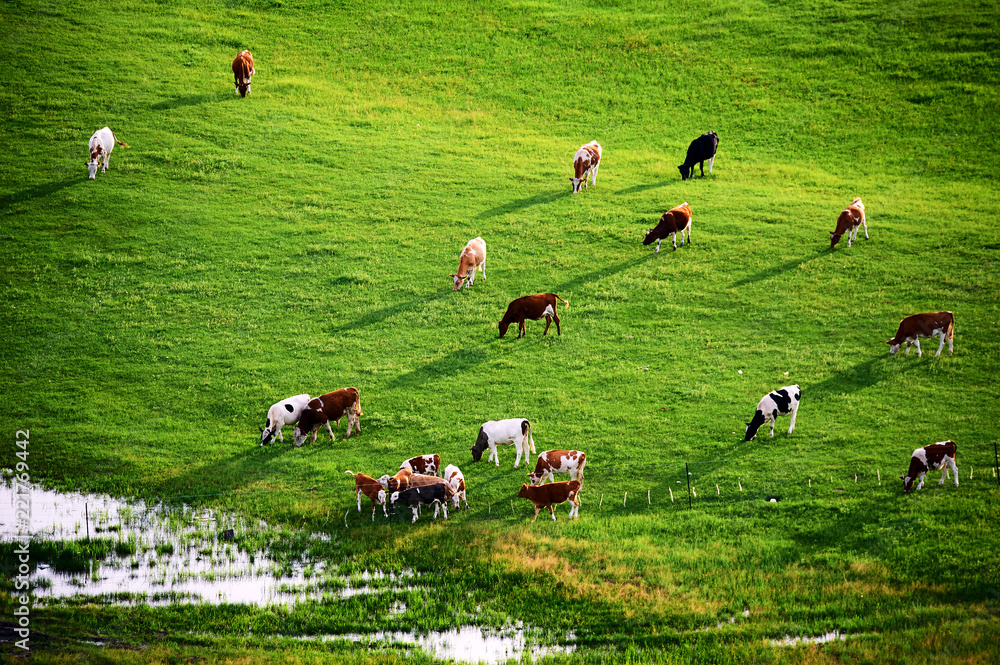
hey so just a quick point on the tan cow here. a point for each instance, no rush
(851, 217)
(473, 256)
(242, 71)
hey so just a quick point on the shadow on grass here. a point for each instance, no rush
(601, 273)
(232, 474)
(446, 367)
(178, 102)
(862, 375)
(642, 188)
(39, 191)
(521, 204)
(381, 315)
(774, 271)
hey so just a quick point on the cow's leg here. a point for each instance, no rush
(493, 451)
(941, 347)
(954, 469)
(917, 343)
(864, 223)
(701, 164)
(359, 503)
(280, 438)
(482, 268)
(774, 419)
(944, 472)
(920, 477)
(520, 445)
(521, 329)
(552, 509)
(537, 508)
(673, 236)
(330, 430)
(548, 322)
(658, 246)
(711, 161)
(795, 409)
(415, 515)
(593, 174)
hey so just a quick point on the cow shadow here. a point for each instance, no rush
(521, 204)
(601, 273)
(447, 367)
(863, 375)
(231, 474)
(779, 269)
(185, 100)
(642, 188)
(40, 191)
(383, 314)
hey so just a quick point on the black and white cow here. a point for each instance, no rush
(780, 402)
(701, 150)
(286, 412)
(515, 431)
(439, 494)
(929, 458)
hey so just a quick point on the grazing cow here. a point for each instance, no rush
(331, 406)
(586, 161)
(242, 71)
(851, 218)
(558, 461)
(101, 144)
(286, 412)
(547, 496)
(428, 464)
(398, 482)
(779, 402)
(702, 149)
(674, 221)
(370, 488)
(473, 256)
(439, 494)
(515, 431)
(929, 458)
(454, 477)
(542, 305)
(912, 328)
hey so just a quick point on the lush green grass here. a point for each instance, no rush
(300, 240)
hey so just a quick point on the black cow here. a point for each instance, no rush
(780, 402)
(702, 149)
(439, 494)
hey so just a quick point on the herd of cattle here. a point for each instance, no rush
(417, 482)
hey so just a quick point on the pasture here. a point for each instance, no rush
(242, 251)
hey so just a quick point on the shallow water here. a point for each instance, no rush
(790, 641)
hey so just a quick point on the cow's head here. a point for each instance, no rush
(308, 422)
(523, 492)
(536, 478)
(266, 433)
(504, 324)
(243, 87)
(481, 441)
(685, 171)
(394, 497)
(95, 156)
(457, 281)
(907, 483)
(576, 183)
(893, 346)
(650, 237)
(754, 425)
(834, 238)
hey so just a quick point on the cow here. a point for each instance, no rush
(929, 458)
(428, 464)
(515, 431)
(586, 161)
(780, 402)
(101, 144)
(286, 412)
(558, 461)
(331, 406)
(473, 256)
(438, 493)
(398, 482)
(242, 71)
(674, 221)
(369, 487)
(702, 149)
(851, 218)
(912, 328)
(542, 305)
(454, 477)
(547, 496)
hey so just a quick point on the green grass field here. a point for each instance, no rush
(241, 251)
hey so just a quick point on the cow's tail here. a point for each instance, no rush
(566, 302)
(951, 326)
(121, 143)
(349, 472)
(531, 439)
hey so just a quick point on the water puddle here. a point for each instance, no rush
(157, 555)
(790, 641)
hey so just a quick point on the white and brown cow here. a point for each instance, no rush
(398, 482)
(369, 487)
(539, 306)
(454, 477)
(243, 70)
(101, 144)
(516, 431)
(548, 496)
(929, 458)
(425, 464)
(586, 162)
(912, 328)
(331, 406)
(674, 221)
(286, 412)
(558, 461)
(850, 220)
(473, 256)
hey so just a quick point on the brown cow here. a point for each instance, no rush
(398, 482)
(473, 256)
(586, 162)
(429, 464)
(369, 487)
(547, 496)
(852, 217)
(542, 305)
(674, 221)
(558, 461)
(912, 328)
(331, 406)
(929, 458)
(242, 71)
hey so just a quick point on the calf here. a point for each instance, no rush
(454, 477)
(780, 402)
(370, 488)
(439, 494)
(331, 406)
(702, 149)
(242, 71)
(547, 496)
(935, 456)
(852, 217)
(558, 461)
(586, 161)
(912, 328)
(398, 482)
(472, 257)
(674, 221)
(542, 305)
(285, 412)
(515, 431)
(101, 144)
(429, 464)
